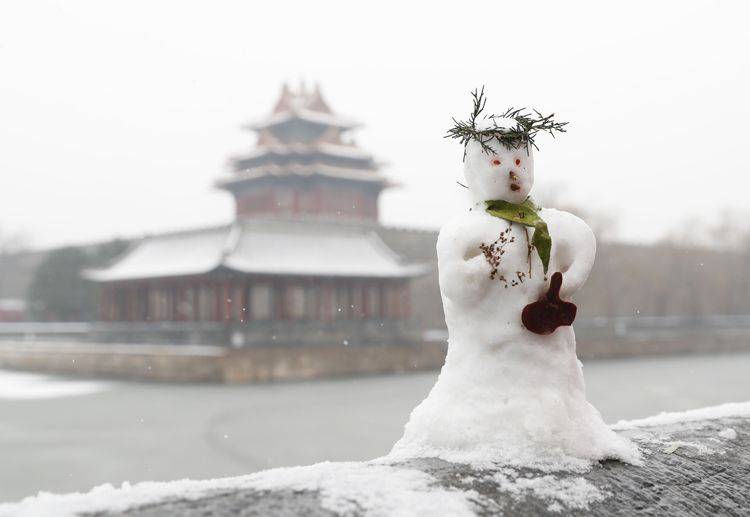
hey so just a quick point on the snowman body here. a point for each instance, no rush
(505, 394)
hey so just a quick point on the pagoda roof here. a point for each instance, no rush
(302, 105)
(305, 115)
(321, 170)
(313, 151)
(266, 247)
(330, 149)
(177, 254)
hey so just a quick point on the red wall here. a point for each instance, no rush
(229, 300)
(334, 201)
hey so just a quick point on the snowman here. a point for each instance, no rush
(512, 389)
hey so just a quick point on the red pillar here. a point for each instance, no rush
(406, 300)
(104, 303)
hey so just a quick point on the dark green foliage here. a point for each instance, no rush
(528, 125)
(58, 292)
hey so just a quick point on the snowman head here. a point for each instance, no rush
(498, 159)
(499, 172)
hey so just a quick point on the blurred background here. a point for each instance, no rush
(218, 221)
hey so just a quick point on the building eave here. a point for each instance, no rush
(303, 115)
(307, 171)
(263, 249)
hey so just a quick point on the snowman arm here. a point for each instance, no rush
(576, 249)
(464, 281)
(463, 270)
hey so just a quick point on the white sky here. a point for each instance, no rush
(117, 117)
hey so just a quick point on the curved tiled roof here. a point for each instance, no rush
(262, 248)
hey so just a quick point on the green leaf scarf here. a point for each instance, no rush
(525, 214)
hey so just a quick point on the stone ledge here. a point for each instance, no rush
(690, 469)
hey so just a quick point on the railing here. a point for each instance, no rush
(619, 326)
(243, 334)
(275, 332)
(33, 330)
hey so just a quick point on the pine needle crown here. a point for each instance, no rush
(528, 123)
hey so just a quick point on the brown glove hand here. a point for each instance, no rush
(549, 312)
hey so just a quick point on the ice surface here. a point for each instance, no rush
(29, 386)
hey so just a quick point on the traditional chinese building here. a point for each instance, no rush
(302, 262)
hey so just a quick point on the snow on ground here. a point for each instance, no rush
(379, 490)
(730, 409)
(575, 493)
(29, 386)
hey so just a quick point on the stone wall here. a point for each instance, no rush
(185, 363)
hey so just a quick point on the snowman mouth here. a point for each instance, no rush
(515, 187)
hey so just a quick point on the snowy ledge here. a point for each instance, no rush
(696, 462)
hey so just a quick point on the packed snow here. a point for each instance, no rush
(728, 433)
(728, 410)
(377, 490)
(506, 395)
(29, 386)
(574, 493)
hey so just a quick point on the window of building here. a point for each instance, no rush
(307, 201)
(311, 302)
(285, 200)
(239, 303)
(261, 302)
(295, 302)
(372, 301)
(326, 303)
(207, 303)
(358, 301)
(184, 304)
(392, 301)
(343, 302)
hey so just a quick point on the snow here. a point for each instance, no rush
(346, 151)
(378, 490)
(306, 251)
(109, 498)
(315, 117)
(29, 386)
(262, 247)
(505, 395)
(186, 253)
(378, 487)
(118, 349)
(574, 493)
(11, 304)
(728, 410)
(487, 180)
(316, 169)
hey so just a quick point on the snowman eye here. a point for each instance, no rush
(518, 161)
(495, 162)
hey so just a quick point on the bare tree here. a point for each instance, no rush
(11, 242)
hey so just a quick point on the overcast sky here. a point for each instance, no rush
(117, 117)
